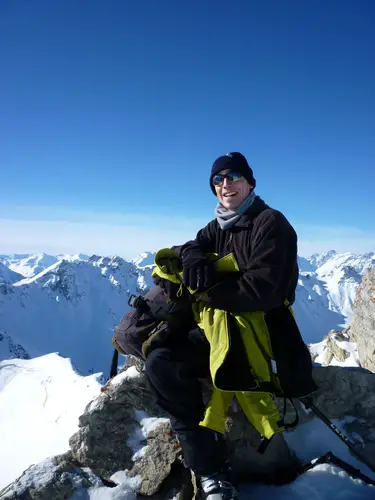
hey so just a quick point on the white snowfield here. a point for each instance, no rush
(40, 400)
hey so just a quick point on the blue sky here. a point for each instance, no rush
(111, 114)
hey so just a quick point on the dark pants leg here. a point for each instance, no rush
(173, 371)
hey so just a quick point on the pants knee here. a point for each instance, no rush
(157, 362)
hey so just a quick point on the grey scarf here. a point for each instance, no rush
(228, 218)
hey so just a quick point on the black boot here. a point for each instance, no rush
(216, 487)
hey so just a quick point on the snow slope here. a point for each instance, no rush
(10, 348)
(326, 291)
(40, 400)
(72, 308)
(31, 264)
(144, 259)
(8, 275)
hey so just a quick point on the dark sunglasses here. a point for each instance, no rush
(218, 179)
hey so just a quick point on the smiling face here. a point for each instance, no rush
(232, 194)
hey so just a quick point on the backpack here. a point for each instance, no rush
(150, 322)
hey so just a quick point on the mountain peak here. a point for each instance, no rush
(144, 259)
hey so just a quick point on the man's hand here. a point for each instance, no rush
(199, 273)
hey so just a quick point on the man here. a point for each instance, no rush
(265, 247)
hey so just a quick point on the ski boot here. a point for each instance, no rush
(216, 487)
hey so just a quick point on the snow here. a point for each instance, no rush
(138, 439)
(131, 372)
(31, 264)
(324, 482)
(124, 491)
(318, 352)
(41, 400)
(8, 275)
(72, 308)
(145, 259)
(11, 348)
(326, 291)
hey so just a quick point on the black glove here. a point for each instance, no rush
(172, 290)
(199, 273)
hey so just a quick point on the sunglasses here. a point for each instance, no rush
(218, 179)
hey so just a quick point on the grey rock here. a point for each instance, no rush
(362, 329)
(110, 433)
(348, 392)
(334, 350)
(13, 349)
(55, 478)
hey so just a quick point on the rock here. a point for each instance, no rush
(362, 329)
(116, 433)
(124, 437)
(334, 348)
(55, 478)
(348, 392)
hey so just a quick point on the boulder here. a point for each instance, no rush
(362, 329)
(55, 477)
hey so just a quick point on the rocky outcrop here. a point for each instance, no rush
(348, 392)
(56, 478)
(362, 329)
(125, 441)
(123, 430)
(333, 349)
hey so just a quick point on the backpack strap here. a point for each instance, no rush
(295, 422)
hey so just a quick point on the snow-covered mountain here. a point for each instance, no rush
(144, 259)
(8, 275)
(32, 264)
(71, 308)
(326, 291)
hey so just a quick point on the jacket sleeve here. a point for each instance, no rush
(272, 263)
(204, 242)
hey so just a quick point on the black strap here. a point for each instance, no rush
(114, 364)
(295, 422)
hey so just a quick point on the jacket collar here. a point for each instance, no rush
(248, 217)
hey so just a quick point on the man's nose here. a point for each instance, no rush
(226, 182)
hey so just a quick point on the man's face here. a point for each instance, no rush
(231, 194)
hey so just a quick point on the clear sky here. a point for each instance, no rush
(112, 112)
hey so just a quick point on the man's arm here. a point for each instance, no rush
(264, 285)
(203, 243)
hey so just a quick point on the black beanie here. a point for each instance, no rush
(235, 162)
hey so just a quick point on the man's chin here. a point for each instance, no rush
(231, 206)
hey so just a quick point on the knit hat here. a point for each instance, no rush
(235, 162)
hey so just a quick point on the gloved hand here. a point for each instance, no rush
(199, 272)
(169, 288)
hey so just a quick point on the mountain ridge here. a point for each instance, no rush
(73, 306)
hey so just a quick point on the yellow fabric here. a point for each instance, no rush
(258, 406)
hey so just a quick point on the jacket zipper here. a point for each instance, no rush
(229, 244)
